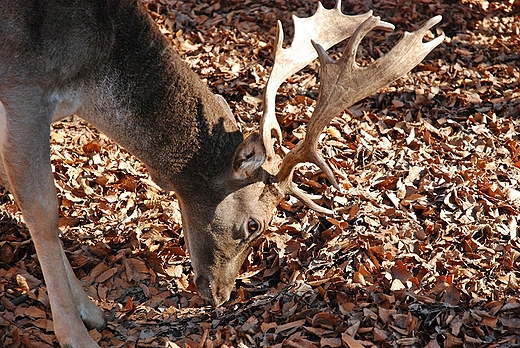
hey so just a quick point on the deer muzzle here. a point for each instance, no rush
(212, 291)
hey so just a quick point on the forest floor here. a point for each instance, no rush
(422, 250)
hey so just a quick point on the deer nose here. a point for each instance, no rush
(211, 291)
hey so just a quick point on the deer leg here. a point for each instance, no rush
(92, 316)
(24, 149)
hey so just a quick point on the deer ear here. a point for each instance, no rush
(227, 109)
(248, 157)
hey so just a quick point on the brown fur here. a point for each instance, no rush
(106, 61)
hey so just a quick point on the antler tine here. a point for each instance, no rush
(328, 27)
(344, 82)
(306, 199)
(268, 123)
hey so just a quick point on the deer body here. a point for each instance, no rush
(128, 83)
(106, 61)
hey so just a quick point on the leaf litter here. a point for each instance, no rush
(422, 250)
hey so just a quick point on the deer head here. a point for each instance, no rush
(249, 191)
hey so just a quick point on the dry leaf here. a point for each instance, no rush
(424, 229)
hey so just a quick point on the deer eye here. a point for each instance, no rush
(252, 226)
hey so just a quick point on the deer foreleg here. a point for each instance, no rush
(24, 149)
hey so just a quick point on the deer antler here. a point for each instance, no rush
(327, 27)
(343, 83)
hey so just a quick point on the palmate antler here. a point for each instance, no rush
(326, 27)
(343, 83)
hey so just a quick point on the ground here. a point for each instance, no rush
(422, 249)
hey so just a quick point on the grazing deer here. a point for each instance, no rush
(106, 61)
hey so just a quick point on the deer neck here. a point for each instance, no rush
(150, 102)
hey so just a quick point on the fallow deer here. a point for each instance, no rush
(107, 62)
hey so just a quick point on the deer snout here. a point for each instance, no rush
(211, 291)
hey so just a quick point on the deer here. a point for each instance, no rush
(107, 62)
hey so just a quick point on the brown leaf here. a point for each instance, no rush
(91, 147)
(451, 295)
(288, 326)
(326, 320)
(452, 341)
(350, 341)
(136, 269)
(35, 312)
